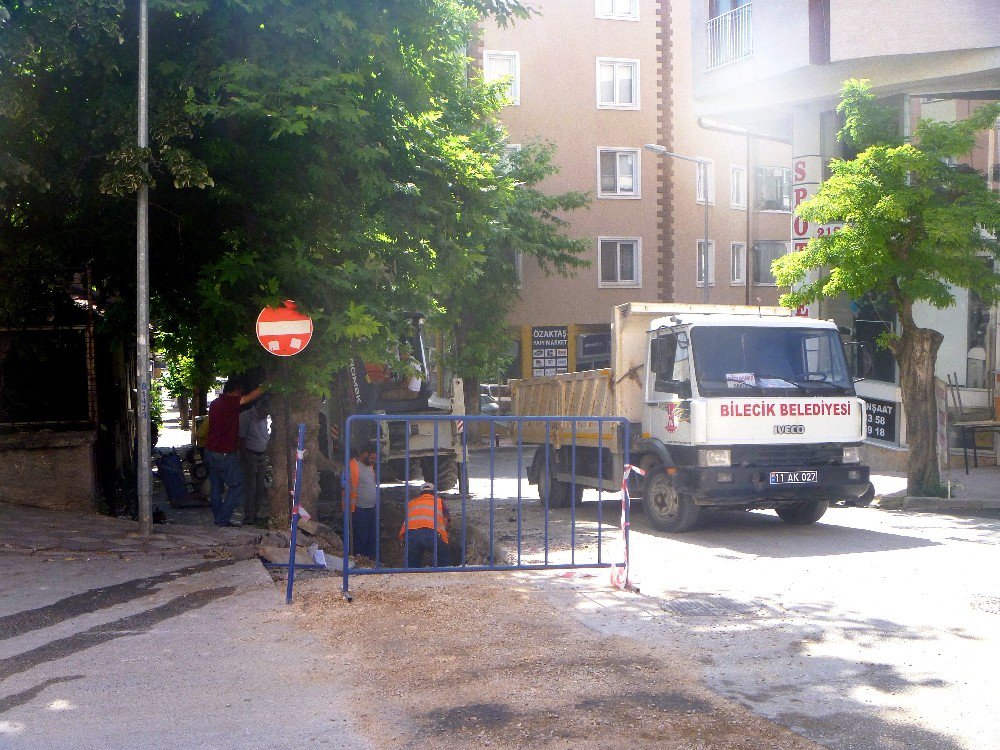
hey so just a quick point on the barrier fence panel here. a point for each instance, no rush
(502, 523)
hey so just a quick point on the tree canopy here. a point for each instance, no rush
(340, 154)
(915, 227)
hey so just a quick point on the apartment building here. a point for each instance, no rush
(599, 79)
(776, 66)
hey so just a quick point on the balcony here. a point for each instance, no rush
(730, 37)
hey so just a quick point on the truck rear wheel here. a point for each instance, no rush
(447, 469)
(666, 508)
(804, 513)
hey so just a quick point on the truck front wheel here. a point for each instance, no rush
(801, 514)
(447, 471)
(666, 508)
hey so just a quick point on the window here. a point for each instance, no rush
(699, 273)
(622, 10)
(737, 263)
(773, 189)
(765, 253)
(507, 159)
(617, 84)
(504, 66)
(669, 360)
(618, 172)
(703, 170)
(619, 261)
(738, 186)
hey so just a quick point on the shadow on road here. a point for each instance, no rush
(763, 533)
(789, 677)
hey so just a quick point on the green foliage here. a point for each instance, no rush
(911, 222)
(528, 227)
(344, 158)
(156, 404)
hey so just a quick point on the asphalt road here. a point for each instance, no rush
(102, 653)
(870, 630)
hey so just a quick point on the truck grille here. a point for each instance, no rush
(786, 455)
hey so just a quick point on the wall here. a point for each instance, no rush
(558, 50)
(49, 470)
(911, 27)
(726, 224)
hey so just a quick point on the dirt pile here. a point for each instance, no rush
(443, 664)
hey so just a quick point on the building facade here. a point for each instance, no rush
(778, 67)
(600, 79)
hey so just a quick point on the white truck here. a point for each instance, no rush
(729, 407)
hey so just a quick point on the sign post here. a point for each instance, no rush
(285, 332)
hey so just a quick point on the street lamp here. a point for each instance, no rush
(703, 168)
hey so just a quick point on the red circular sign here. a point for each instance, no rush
(284, 331)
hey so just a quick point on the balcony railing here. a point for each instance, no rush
(730, 37)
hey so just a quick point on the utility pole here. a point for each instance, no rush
(144, 449)
(703, 173)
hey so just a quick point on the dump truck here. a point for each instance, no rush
(729, 407)
(372, 388)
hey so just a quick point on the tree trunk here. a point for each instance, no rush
(916, 354)
(184, 410)
(303, 409)
(470, 388)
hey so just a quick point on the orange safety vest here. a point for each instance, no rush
(352, 484)
(420, 515)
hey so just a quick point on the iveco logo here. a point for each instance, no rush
(789, 429)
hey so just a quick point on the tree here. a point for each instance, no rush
(915, 228)
(473, 308)
(339, 154)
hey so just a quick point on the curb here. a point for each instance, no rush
(921, 504)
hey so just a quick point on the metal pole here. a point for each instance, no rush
(703, 166)
(288, 432)
(144, 448)
(746, 247)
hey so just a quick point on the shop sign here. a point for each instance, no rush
(549, 350)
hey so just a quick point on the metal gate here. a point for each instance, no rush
(497, 511)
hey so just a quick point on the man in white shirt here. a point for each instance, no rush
(255, 434)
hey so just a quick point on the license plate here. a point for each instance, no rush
(793, 477)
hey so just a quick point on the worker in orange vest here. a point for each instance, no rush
(425, 513)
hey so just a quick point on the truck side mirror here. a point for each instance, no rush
(661, 353)
(681, 387)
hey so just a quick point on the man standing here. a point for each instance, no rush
(363, 491)
(255, 433)
(424, 514)
(221, 454)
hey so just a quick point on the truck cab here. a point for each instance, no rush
(748, 412)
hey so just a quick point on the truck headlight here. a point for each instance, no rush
(715, 457)
(852, 454)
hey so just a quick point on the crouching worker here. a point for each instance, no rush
(424, 513)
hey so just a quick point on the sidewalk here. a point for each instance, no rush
(35, 531)
(977, 492)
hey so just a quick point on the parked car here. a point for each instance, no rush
(499, 393)
(488, 406)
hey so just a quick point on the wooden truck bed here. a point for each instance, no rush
(583, 394)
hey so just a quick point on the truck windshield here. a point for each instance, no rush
(732, 358)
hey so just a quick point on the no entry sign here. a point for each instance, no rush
(284, 331)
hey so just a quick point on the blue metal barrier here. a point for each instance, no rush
(361, 429)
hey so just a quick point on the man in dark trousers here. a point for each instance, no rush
(363, 492)
(255, 434)
(222, 450)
